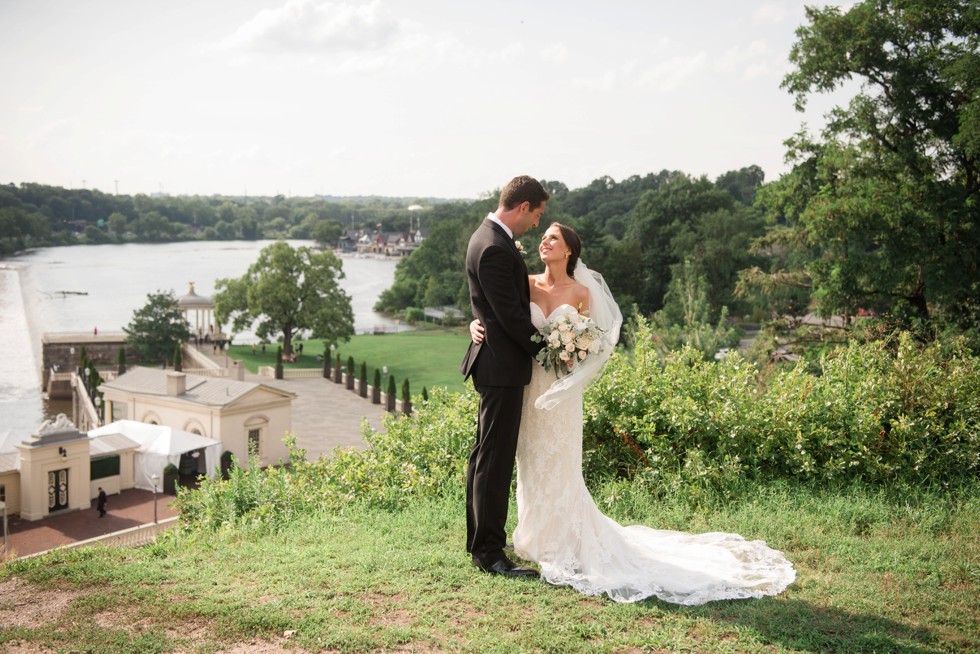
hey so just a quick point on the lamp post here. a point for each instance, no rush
(155, 479)
(3, 508)
(384, 384)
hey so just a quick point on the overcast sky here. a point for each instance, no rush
(418, 98)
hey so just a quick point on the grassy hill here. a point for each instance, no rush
(363, 551)
(874, 575)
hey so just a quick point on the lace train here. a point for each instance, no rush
(561, 528)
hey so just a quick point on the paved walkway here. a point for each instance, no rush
(326, 416)
(130, 508)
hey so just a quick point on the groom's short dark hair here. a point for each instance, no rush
(523, 189)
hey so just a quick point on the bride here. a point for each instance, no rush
(559, 525)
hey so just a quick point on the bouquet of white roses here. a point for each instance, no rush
(568, 339)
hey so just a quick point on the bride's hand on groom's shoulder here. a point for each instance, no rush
(476, 331)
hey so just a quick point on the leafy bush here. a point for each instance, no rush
(889, 413)
(419, 455)
(414, 315)
(884, 412)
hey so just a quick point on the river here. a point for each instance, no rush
(81, 288)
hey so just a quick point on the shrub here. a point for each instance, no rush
(414, 315)
(889, 413)
(421, 455)
(882, 412)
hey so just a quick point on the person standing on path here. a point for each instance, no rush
(500, 367)
(100, 505)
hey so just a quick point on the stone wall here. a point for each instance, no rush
(64, 349)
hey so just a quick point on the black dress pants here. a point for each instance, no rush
(490, 471)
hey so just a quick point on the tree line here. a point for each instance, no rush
(38, 215)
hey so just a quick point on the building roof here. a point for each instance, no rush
(110, 444)
(152, 438)
(194, 301)
(209, 391)
(9, 461)
(9, 439)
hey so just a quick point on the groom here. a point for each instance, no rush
(500, 367)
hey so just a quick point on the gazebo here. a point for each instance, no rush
(203, 309)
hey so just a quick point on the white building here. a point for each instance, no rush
(61, 468)
(237, 413)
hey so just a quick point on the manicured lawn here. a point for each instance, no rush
(874, 575)
(427, 357)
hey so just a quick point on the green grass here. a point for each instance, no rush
(875, 574)
(428, 357)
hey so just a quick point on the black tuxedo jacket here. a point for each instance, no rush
(500, 298)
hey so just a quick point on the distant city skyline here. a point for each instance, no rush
(420, 98)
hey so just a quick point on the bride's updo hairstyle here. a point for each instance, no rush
(574, 244)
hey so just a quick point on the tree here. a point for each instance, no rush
(884, 204)
(288, 290)
(685, 320)
(434, 274)
(743, 183)
(325, 233)
(666, 226)
(157, 328)
(390, 404)
(153, 227)
(117, 223)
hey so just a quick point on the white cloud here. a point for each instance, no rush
(737, 56)
(772, 12)
(303, 26)
(671, 74)
(605, 82)
(511, 51)
(53, 132)
(755, 60)
(555, 53)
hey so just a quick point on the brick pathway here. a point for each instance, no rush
(130, 508)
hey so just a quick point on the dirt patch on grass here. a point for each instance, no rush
(259, 646)
(17, 647)
(27, 606)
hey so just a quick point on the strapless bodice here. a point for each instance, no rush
(539, 320)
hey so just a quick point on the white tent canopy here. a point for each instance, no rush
(159, 446)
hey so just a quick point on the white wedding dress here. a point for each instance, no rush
(561, 528)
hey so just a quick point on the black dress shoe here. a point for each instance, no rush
(504, 566)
